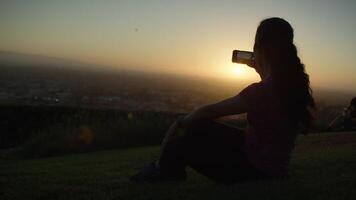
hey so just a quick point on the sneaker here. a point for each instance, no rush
(151, 173)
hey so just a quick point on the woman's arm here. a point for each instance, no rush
(230, 106)
(335, 123)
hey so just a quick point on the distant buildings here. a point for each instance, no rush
(52, 92)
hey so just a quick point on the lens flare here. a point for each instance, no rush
(85, 135)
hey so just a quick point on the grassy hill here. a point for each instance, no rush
(323, 167)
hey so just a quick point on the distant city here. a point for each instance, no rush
(45, 81)
(128, 90)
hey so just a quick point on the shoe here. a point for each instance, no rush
(151, 173)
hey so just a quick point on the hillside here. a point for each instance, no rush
(322, 167)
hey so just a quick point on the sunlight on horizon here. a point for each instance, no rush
(239, 72)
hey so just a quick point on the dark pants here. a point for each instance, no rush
(212, 149)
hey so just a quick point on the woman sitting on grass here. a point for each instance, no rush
(277, 107)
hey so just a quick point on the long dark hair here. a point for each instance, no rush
(274, 39)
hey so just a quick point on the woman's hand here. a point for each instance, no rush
(251, 63)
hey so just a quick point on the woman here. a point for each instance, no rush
(347, 119)
(278, 108)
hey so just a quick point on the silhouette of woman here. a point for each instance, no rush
(347, 120)
(278, 108)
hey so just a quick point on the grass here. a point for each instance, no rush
(322, 167)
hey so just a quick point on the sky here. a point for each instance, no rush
(192, 37)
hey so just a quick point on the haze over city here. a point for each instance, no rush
(182, 37)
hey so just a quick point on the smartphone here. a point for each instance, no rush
(242, 57)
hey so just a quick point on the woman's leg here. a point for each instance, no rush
(172, 159)
(211, 148)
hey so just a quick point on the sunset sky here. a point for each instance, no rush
(184, 36)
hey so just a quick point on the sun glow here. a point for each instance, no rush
(239, 71)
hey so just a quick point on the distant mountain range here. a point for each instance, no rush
(21, 59)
